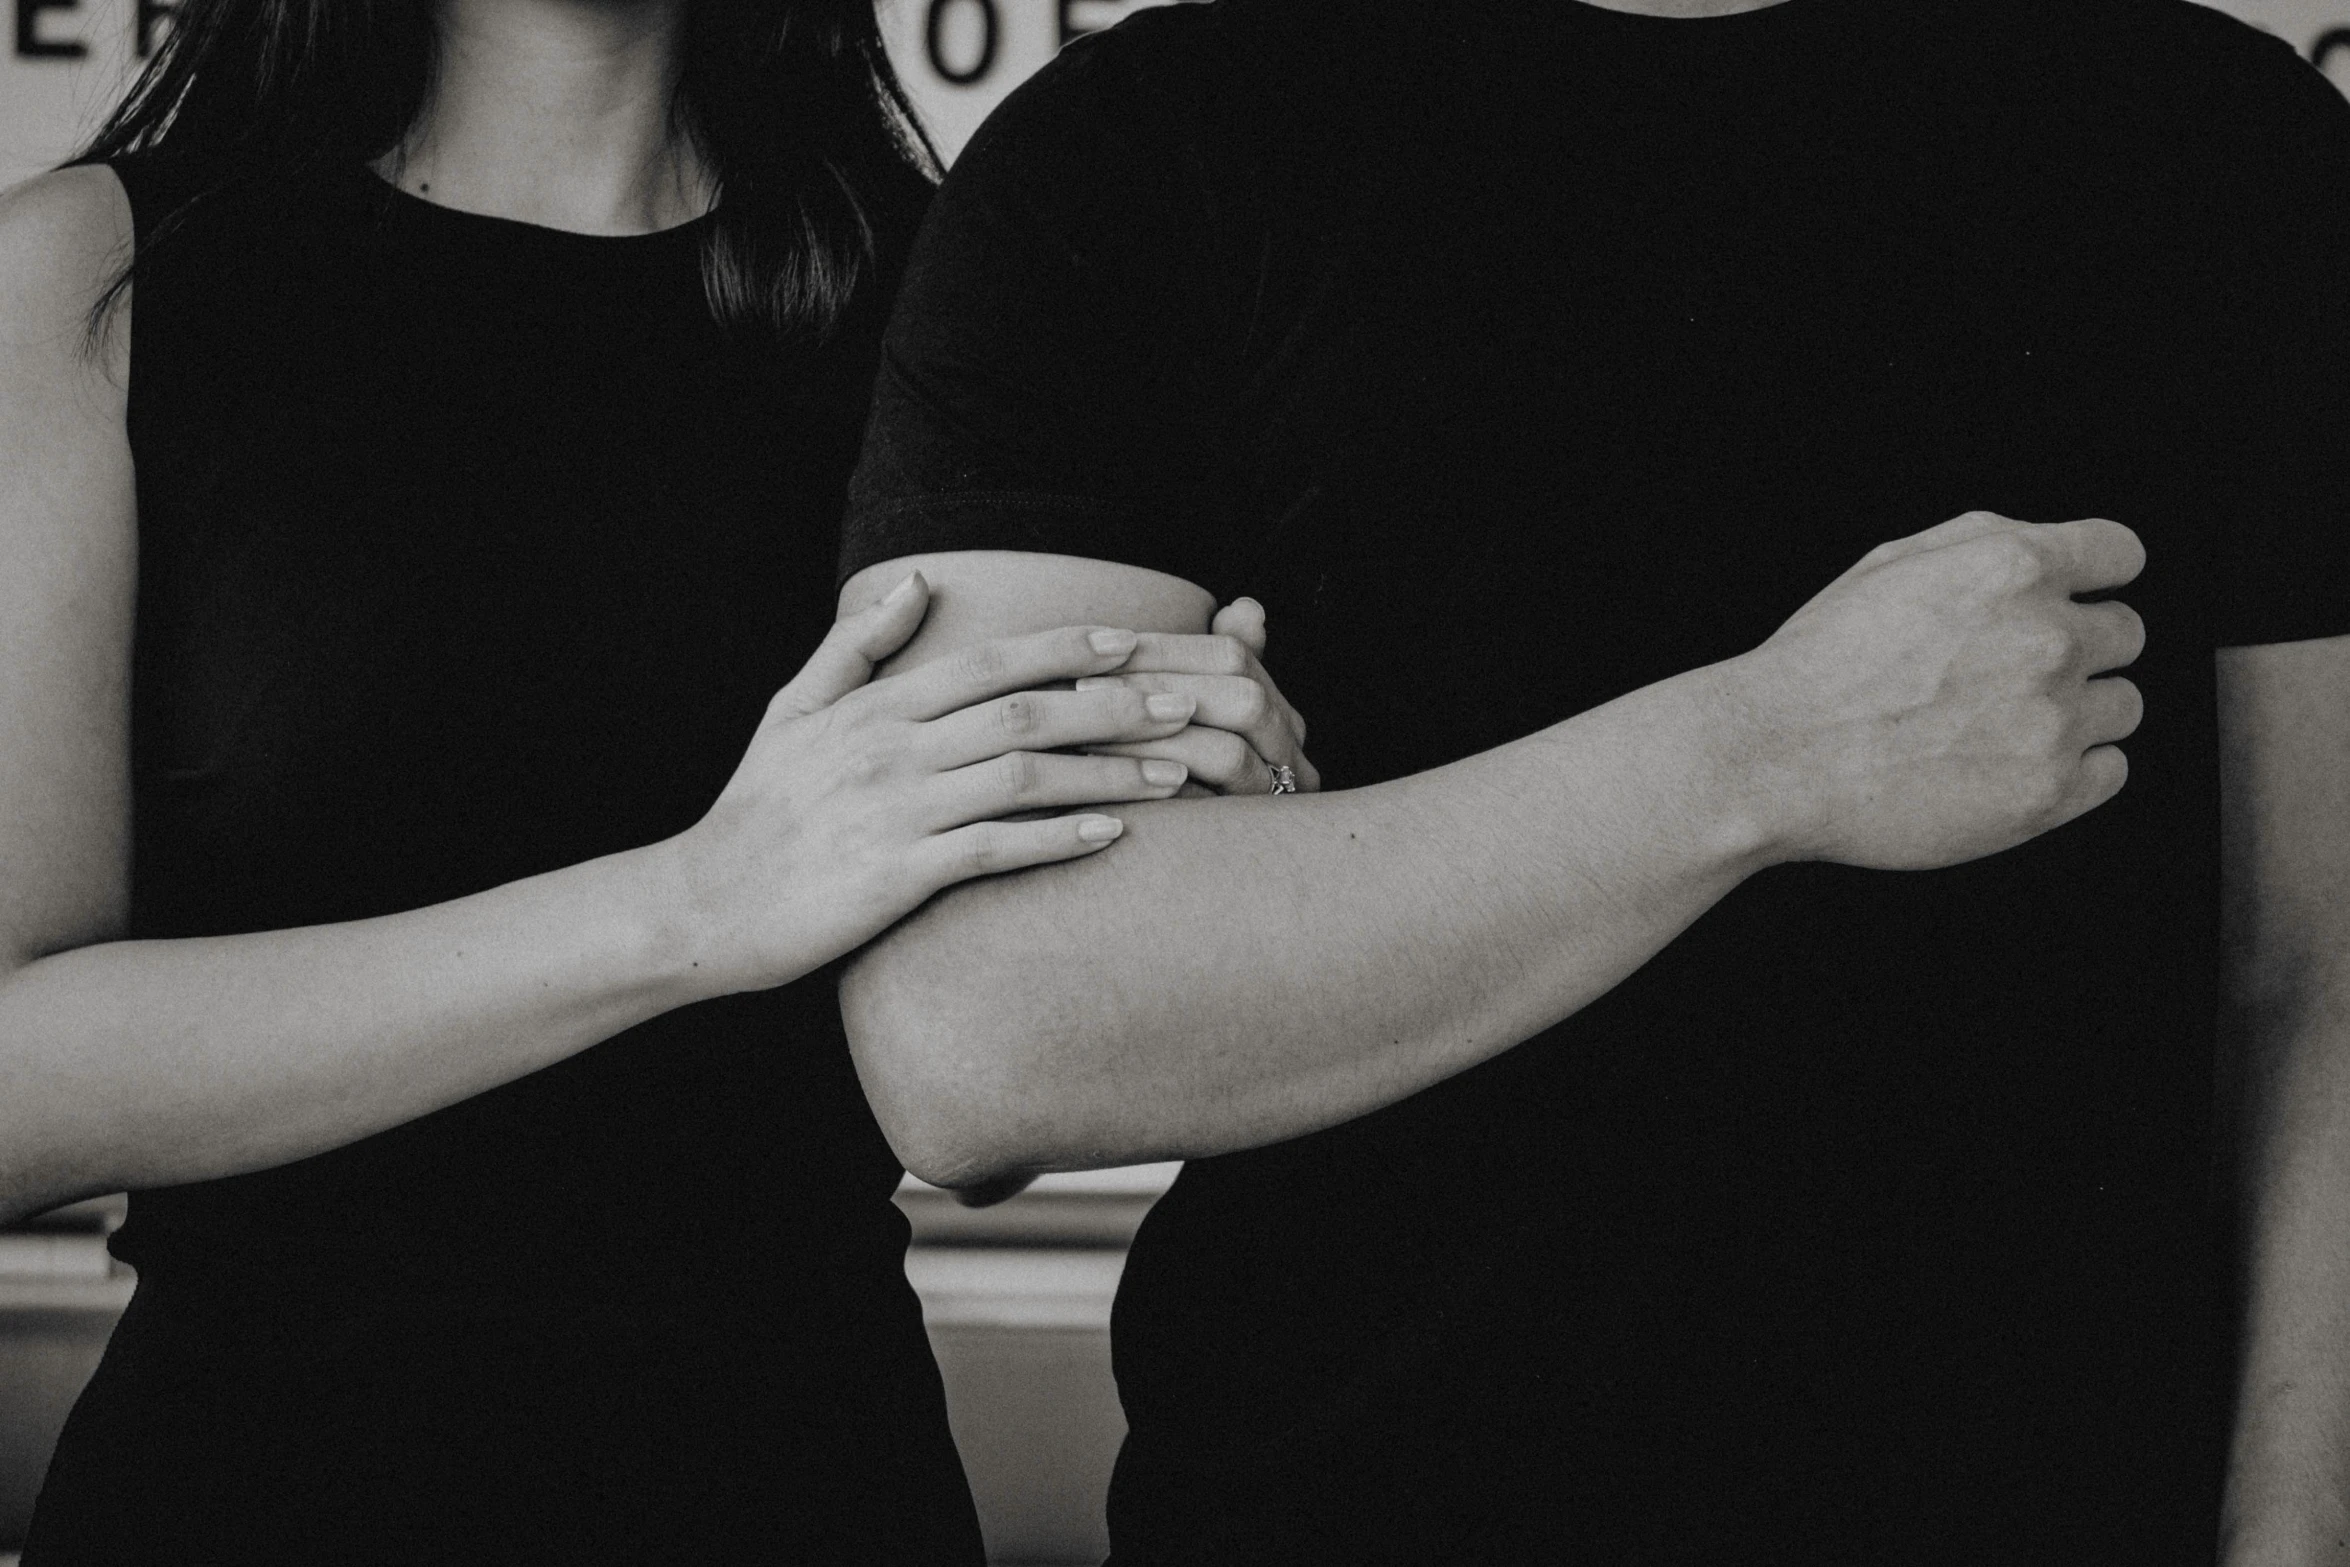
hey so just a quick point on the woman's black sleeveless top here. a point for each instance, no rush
(470, 549)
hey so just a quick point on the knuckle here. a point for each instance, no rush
(2016, 559)
(2047, 646)
(1230, 756)
(980, 852)
(2040, 788)
(1016, 715)
(1017, 776)
(866, 640)
(1250, 704)
(1227, 655)
(981, 665)
(2049, 794)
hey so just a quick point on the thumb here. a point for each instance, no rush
(1243, 620)
(852, 647)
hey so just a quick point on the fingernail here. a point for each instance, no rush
(1164, 775)
(1099, 829)
(1167, 705)
(1098, 682)
(1112, 641)
(903, 591)
(1251, 603)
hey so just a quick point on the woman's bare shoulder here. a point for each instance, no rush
(67, 565)
(63, 237)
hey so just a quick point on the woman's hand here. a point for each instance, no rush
(857, 801)
(1243, 725)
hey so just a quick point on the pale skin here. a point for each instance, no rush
(1944, 699)
(146, 1063)
(1566, 860)
(2285, 779)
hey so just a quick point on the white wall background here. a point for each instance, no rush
(63, 61)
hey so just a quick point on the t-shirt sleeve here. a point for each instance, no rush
(1048, 375)
(2284, 559)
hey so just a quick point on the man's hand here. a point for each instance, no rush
(1941, 700)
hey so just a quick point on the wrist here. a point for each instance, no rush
(676, 939)
(1756, 807)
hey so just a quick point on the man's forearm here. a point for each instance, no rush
(2285, 873)
(2289, 1474)
(1245, 970)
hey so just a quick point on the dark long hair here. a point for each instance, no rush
(792, 104)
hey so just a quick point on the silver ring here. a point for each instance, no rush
(1284, 779)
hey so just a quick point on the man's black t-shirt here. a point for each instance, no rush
(1517, 355)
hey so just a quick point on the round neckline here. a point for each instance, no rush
(1698, 29)
(426, 208)
(1658, 16)
(1733, 19)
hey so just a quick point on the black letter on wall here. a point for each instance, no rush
(987, 40)
(30, 45)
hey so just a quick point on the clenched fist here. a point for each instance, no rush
(1947, 697)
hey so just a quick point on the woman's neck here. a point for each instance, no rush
(556, 112)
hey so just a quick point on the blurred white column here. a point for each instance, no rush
(1017, 1301)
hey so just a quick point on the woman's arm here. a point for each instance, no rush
(143, 1063)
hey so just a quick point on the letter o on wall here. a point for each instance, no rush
(934, 27)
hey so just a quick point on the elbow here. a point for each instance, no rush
(975, 1167)
(940, 1124)
(29, 1185)
(37, 1160)
(943, 1136)
(42, 1164)
(956, 1110)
